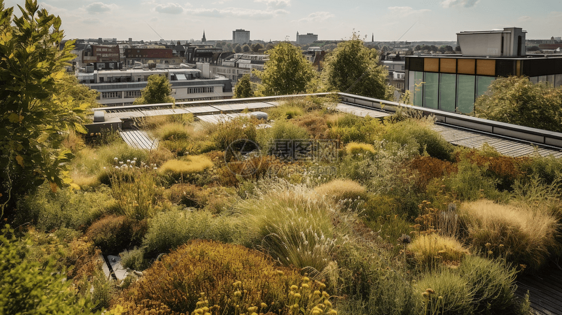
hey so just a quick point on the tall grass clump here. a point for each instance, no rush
(493, 285)
(350, 128)
(173, 131)
(286, 111)
(224, 275)
(523, 235)
(430, 250)
(418, 134)
(66, 208)
(123, 152)
(171, 229)
(112, 234)
(444, 292)
(226, 133)
(137, 192)
(292, 223)
(346, 192)
(281, 130)
(354, 148)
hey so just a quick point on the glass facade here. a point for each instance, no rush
(447, 92)
(431, 90)
(482, 85)
(416, 79)
(466, 93)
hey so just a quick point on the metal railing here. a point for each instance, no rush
(522, 133)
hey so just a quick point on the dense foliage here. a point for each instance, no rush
(354, 68)
(158, 90)
(516, 100)
(39, 101)
(287, 72)
(243, 88)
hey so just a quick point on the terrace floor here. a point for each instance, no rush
(545, 291)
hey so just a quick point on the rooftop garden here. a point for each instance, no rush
(309, 212)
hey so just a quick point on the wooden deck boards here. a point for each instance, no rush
(360, 111)
(475, 140)
(545, 291)
(138, 139)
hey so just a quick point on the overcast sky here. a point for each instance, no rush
(279, 19)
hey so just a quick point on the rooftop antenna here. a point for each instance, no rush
(154, 30)
(406, 31)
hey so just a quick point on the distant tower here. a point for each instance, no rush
(297, 38)
(204, 39)
(373, 39)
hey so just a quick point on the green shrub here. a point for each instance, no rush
(173, 131)
(226, 275)
(354, 148)
(66, 208)
(134, 259)
(123, 152)
(226, 133)
(292, 223)
(420, 135)
(445, 293)
(547, 168)
(28, 286)
(137, 192)
(285, 111)
(470, 183)
(281, 130)
(350, 128)
(171, 229)
(114, 234)
(493, 284)
(372, 281)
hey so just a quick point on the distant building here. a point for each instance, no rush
(100, 53)
(122, 87)
(204, 39)
(308, 38)
(453, 82)
(396, 66)
(235, 66)
(240, 36)
(151, 55)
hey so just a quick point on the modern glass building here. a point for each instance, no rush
(453, 83)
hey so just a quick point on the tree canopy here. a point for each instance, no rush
(286, 72)
(158, 90)
(243, 88)
(353, 68)
(246, 48)
(516, 100)
(40, 102)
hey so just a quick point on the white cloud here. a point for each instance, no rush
(91, 21)
(238, 13)
(99, 7)
(524, 18)
(317, 17)
(169, 8)
(276, 3)
(405, 11)
(459, 3)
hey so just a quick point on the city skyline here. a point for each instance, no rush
(281, 19)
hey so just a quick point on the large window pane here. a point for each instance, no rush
(417, 89)
(482, 85)
(465, 93)
(430, 90)
(447, 92)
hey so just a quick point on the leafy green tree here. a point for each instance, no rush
(257, 47)
(516, 100)
(36, 109)
(246, 48)
(31, 287)
(286, 72)
(237, 48)
(157, 91)
(243, 88)
(353, 68)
